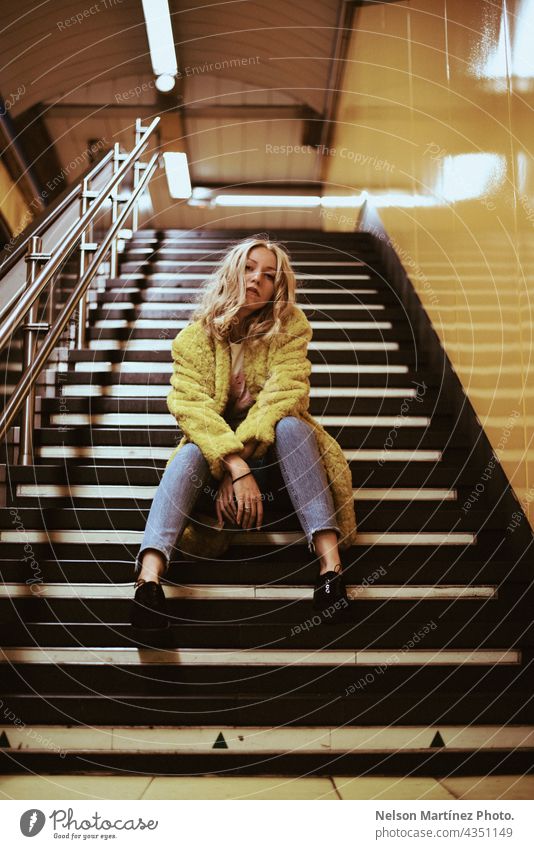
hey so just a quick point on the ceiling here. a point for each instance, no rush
(253, 75)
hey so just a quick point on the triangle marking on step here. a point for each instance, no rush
(437, 742)
(4, 742)
(220, 742)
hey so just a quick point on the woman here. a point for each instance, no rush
(240, 393)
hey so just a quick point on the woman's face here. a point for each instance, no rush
(260, 272)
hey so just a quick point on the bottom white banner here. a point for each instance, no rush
(242, 823)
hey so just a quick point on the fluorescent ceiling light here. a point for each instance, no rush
(177, 172)
(202, 193)
(343, 200)
(308, 201)
(267, 200)
(161, 42)
(201, 197)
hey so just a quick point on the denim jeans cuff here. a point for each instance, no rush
(137, 564)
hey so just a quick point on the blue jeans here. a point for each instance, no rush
(294, 449)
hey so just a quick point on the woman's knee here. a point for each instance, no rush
(190, 462)
(191, 456)
(190, 451)
(290, 425)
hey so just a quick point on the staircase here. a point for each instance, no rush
(431, 673)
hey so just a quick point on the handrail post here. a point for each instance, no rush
(31, 326)
(114, 253)
(140, 131)
(50, 300)
(85, 197)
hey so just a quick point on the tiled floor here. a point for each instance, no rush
(264, 787)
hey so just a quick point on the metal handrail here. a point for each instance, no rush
(67, 243)
(47, 217)
(38, 279)
(30, 377)
(43, 222)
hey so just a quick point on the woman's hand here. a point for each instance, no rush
(225, 505)
(248, 494)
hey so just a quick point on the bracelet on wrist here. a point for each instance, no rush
(241, 476)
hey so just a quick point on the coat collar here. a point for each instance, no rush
(253, 369)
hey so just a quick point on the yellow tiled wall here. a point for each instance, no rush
(13, 206)
(437, 105)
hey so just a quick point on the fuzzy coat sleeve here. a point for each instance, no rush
(287, 388)
(191, 405)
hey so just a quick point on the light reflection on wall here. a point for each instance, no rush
(470, 175)
(511, 55)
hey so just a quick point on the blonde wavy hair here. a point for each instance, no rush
(225, 292)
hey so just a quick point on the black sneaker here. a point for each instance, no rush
(149, 608)
(330, 596)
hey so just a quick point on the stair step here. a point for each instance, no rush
(373, 632)
(360, 276)
(256, 740)
(418, 399)
(378, 379)
(389, 680)
(187, 240)
(388, 517)
(286, 619)
(123, 342)
(428, 683)
(231, 592)
(203, 266)
(61, 495)
(328, 304)
(259, 540)
(412, 433)
(303, 238)
(434, 762)
(357, 331)
(336, 353)
(135, 370)
(215, 249)
(159, 316)
(126, 656)
(309, 292)
(211, 711)
(454, 471)
(282, 623)
(87, 401)
(407, 565)
(136, 454)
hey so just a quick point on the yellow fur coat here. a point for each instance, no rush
(277, 377)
